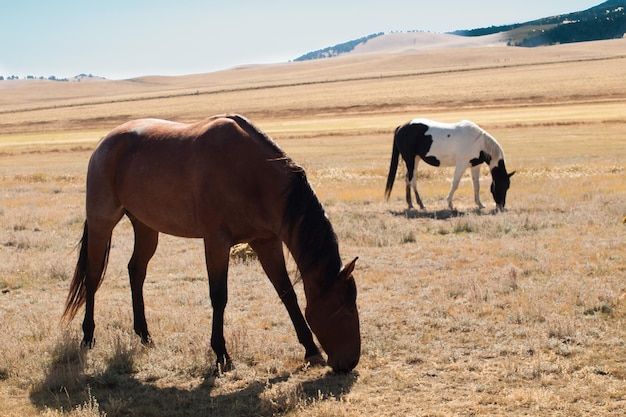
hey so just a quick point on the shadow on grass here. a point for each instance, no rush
(117, 392)
(440, 214)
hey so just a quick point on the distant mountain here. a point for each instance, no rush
(605, 21)
(338, 49)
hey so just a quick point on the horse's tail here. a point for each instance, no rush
(393, 166)
(78, 289)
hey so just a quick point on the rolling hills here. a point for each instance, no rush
(605, 21)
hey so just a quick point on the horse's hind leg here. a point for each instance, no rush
(98, 244)
(146, 241)
(270, 253)
(408, 192)
(417, 195)
(411, 182)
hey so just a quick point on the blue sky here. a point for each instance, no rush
(125, 38)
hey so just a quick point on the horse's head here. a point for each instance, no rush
(334, 319)
(500, 184)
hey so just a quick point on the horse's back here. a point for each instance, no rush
(153, 145)
(444, 144)
(147, 150)
(184, 179)
(458, 130)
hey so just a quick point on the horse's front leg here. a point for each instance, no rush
(458, 173)
(146, 241)
(217, 266)
(476, 181)
(270, 253)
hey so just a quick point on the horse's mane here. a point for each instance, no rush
(305, 219)
(309, 227)
(264, 139)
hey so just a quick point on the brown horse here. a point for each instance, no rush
(226, 182)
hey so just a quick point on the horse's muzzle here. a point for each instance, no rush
(341, 365)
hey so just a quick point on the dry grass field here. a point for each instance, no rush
(462, 312)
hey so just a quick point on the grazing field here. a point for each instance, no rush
(463, 312)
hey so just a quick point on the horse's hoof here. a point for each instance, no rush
(88, 344)
(315, 360)
(147, 341)
(224, 365)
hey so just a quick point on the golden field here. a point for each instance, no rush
(463, 312)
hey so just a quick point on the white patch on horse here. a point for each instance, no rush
(452, 143)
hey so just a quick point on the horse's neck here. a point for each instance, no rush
(493, 149)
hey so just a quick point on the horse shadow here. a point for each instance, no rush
(433, 215)
(444, 214)
(66, 386)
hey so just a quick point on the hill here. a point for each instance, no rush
(602, 22)
(360, 83)
(337, 49)
(605, 21)
(400, 42)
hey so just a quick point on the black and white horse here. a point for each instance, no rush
(461, 145)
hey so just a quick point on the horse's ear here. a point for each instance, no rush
(511, 174)
(347, 270)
